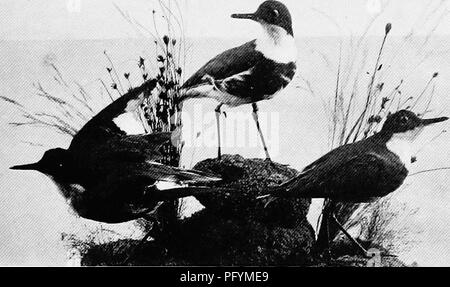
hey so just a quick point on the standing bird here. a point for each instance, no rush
(361, 171)
(253, 72)
(110, 176)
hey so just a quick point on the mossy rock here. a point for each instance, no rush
(247, 179)
(207, 239)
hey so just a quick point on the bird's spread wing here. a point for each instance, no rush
(102, 126)
(228, 64)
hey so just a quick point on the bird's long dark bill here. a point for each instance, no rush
(32, 166)
(243, 16)
(427, 122)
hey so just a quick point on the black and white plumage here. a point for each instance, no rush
(363, 170)
(241, 75)
(254, 71)
(110, 176)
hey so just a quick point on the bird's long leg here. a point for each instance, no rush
(341, 227)
(255, 117)
(323, 243)
(329, 240)
(217, 110)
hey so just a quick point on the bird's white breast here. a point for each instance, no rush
(402, 148)
(276, 44)
(402, 145)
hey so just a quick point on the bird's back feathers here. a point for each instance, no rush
(354, 172)
(229, 63)
(239, 76)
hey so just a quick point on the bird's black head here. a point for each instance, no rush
(406, 121)
(55, 163)
(273, 13)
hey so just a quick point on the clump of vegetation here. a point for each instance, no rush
(379, 218)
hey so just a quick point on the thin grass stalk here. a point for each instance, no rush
(424, 90)
(117, 80)
(336, 95)
(361, 118)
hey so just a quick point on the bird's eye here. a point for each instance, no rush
(276, 13)
(404, 120)
(60, 165)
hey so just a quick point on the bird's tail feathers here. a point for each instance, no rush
(290, 188)
(195, 176)
(283, 190)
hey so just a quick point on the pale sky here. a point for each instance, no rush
(83, 19)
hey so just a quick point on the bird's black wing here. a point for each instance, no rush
(137, 155)
(227, 64)
(357, 177)
(101, 127)
(313, 175)
(134, 148)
